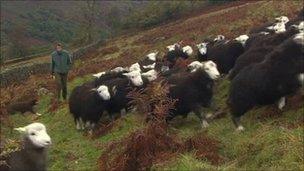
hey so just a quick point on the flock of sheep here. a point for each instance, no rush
(263, 67)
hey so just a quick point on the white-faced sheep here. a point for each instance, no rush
(193, 91)
(225, 54)
(175, 52)
(87, 104)
(122, 86)
(267, 82)
(259, 49)
(277, 26)
(33, 153)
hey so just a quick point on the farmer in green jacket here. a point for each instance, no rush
(60, 66)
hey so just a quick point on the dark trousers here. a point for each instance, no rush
(61, 84)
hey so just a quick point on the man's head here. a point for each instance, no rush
(58, 47)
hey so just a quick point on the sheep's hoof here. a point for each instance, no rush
(240, 128)
(38, 114)
(90, 132)
(205, 124)
(209, 115)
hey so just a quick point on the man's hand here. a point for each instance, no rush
(53, 76)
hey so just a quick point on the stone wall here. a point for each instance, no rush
(19, 73)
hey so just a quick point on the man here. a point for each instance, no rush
(60, 66)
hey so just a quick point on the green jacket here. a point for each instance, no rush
(61, 62)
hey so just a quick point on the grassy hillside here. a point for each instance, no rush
(272, 140)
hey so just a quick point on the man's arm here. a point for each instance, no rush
(52, 65)
(69, 60)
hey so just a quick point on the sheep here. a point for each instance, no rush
(219, 38)
(175, 51)
(122, 86)
(150, 75)
(269, 81)
(22, 106)
(149, 62)
(86, 104)
(33, 153)
(259, 49)
(192, 91)
(280, 23)
(225, 54)
(135, 67)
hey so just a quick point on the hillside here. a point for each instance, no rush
(273, 140)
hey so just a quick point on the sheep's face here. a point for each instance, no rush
(282, 19)
(99, 74)
(152, 66)
(242, 39)
(299, 38)
(278, 27)
(135, 78)
(173, 47)
(36, 134)
(202, 48)
(219, 38)
(152, 56)
(118, 69)
(193, 66)
(135, 67)
(188, 50)
(103, 92)
(150, 75)
(211, 69)
(300, 27)
(301, 78)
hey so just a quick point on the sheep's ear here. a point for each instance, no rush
(93, 89)
(20, 129)
(114, 89)
(126, 74)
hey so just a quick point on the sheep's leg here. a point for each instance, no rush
(237, 122)
(281, 103)
(78, 127)
(202, 118)
(88, 125)
(123, 112)
(81, 124)
(91, 127)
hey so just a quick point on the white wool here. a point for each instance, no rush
(188, 50)
(152, 66)
(36, 133)
(99, 74)
(150, 75)
(211, 69)
(135, 77)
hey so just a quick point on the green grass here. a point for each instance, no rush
(71, 149)
(269, 144)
